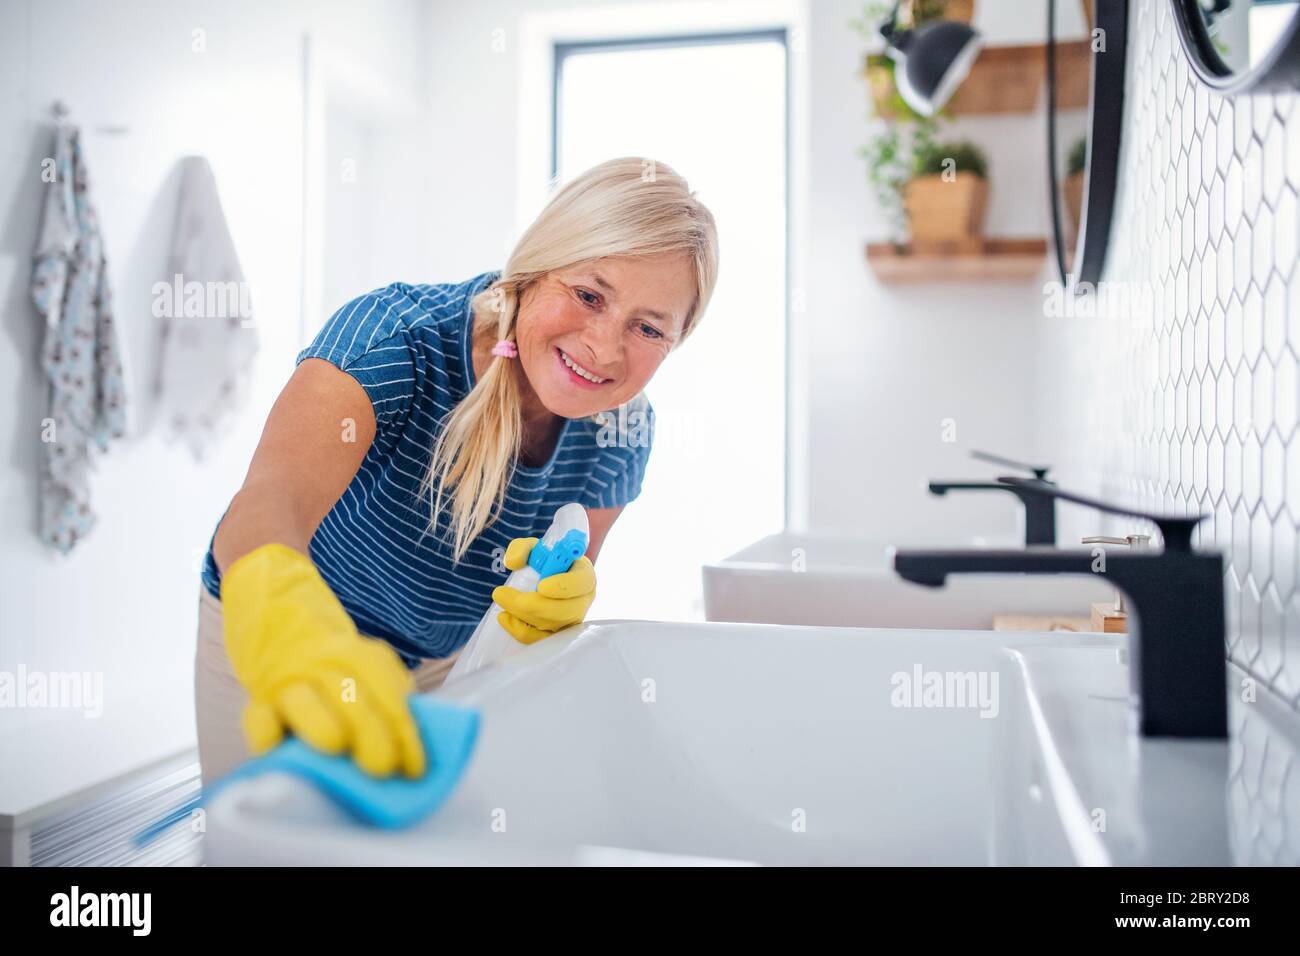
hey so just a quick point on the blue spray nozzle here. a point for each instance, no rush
(560, 556)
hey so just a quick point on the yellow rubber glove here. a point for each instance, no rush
(309, 672)
(560, 600)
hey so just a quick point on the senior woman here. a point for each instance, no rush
(424, 440)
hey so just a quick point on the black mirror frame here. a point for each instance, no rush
(1279, 70)
(1105, 128)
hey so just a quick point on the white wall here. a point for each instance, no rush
(124, 601)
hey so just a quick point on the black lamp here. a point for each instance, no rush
(932, 60)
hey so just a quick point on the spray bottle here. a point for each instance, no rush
(564, 542)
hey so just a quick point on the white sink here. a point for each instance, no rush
(636, 742)
(841, 581)
(1078, 775)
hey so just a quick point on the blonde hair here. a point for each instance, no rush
(622, 207)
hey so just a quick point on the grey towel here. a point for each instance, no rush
(208, 337)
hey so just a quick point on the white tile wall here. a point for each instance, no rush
(1195, 408)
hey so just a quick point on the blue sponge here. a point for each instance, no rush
(448, 732)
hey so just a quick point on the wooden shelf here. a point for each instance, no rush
(1007, 79)
(997, 260)
(1003, 79)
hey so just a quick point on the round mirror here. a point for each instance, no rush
(1085, 107)
(1238, 45)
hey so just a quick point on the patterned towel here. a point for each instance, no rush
(80, 356)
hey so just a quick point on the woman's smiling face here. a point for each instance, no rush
(590, 336)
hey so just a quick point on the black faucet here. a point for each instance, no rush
(1040, 510)
(1177, 652)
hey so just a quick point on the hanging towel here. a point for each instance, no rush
(80, 356)
(208, 338)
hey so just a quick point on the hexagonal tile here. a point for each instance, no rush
(1233, 325)
(1261, 547)
(1293, 314)
(1215, 209)
(1285, 395)
(1209, 148)
(1232, 469)
(1223, 411)
(1200, 458)
(1214, 337)
(1253, 179)
(1292, 147)
(1241, 540)
(1195, 404)
(1223, 290)
(1214, 467)
(1261, 384)
(1274, 317)
(1252, 324)
(1243, 400)
(1274, 161)
(1288, 682)
(1286, 233)
(1208, 418)
(1234, 197)
(1293, 481)
(1248, 649)
(1243, 132)
(1284, 549)
(1223, 134)
(1195, 151)
(1250, 470)
(1262, 257)
(1270, 634)
(1242, 259)
(1263, 114)
(1232, 606)
(1272, 473)
(1223, 529)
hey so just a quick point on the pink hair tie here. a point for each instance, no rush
(506, 349)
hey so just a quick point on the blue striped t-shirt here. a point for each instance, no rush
(409, 348)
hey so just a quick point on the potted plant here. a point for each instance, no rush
(1076, 162)
(904, 135)
(891, 157)
(947, 194)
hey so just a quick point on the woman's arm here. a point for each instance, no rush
(318, 433)
(599, 521)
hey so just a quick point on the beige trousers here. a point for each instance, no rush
(219, 698)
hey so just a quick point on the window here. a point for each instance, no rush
(714, 109)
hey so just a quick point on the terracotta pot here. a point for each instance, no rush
(1072, 189)
(962, 11)
(946, 211)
